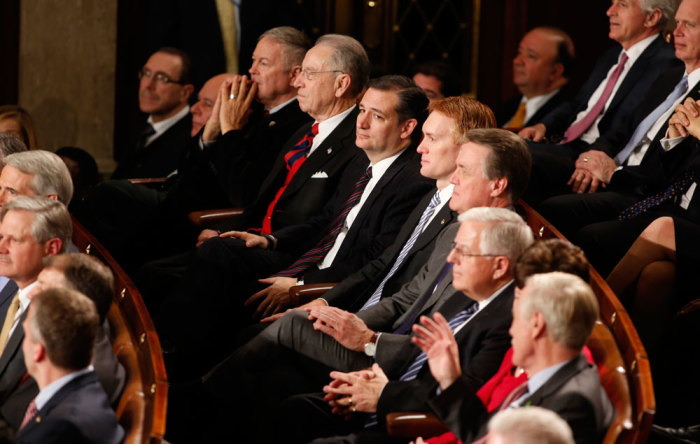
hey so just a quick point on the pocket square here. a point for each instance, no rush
(320, 175)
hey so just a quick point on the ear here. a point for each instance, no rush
(187, 91)
(498, 186)
(52, 196)
(53, 246)
(342, 84)
(653, 18)
(293, 73)
(557, 71)
(38, 352)
(407, 128)
(539, 327)
(500, 267)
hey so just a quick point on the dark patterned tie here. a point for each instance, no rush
(29, 414)
(294, 158)
(318, 252)
(678, 187)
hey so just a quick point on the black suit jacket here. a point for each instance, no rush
(375, 226)
(507, 110)
(351, 293)
(12, 368)
(573, 392)
(78, 413)
(161, 157)
(656, 59)
(6, 296)
(312, 185)
(482, 345)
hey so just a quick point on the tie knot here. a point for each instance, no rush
(314, 129)
(368, 173)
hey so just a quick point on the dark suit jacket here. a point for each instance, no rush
(482, 344)
(305, 195)
(656, 59)
(12, 368)
(161, 157)
(351, 293)
(6, 296)
(376, 225)
(78, 413)
(507, 109)
(574, 393)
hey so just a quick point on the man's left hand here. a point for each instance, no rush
(345, 327)
(355, 391)
(593, 169)
(274, 298)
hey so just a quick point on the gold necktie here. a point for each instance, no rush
(9, 322)
(519, 117)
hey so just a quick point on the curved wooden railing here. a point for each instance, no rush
(143, 404)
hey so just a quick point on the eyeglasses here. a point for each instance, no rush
(157, 77)
(309, 74)
(461, 250)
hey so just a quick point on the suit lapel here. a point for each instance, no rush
(442, 219)
(6, 296)
(638, 69)
(335, 141)
(561, 377)
(14, 343)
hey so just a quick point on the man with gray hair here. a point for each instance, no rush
(31, 228)
(528, 425)
(35, 173)
(553, 316)
(483, 256)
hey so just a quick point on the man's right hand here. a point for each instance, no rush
(345, 327)
(205, 235)
(234, 112)
(251, 240)
(212, 129)
(535, 133)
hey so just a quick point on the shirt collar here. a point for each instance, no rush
(24, 296)
(327, 126)
(637, 49)
(281, 105)
(164, 125)
(50, 390)
(540, 378)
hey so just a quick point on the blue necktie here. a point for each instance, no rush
(644, 127)
(434, 202)
(420, 360)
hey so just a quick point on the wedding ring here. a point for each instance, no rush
(349, 401)
(232, 96)
(354, 409)
(585, 159)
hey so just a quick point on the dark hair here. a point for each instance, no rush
(186, 63)
(444, 73)
(551, 255)
(88, 174)
(566, 54)
(510, 158)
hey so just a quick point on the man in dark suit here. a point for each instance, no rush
(541, 71)
(632, 168)
(548, 334)
(617, 85)
(164, 91)
(19, 220)
(485, 251)
(91, 278)
(59, 335)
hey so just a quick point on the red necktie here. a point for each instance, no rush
(580, 127)
(29, 414)
(295, 157)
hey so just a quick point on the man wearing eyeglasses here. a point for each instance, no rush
(164, 90)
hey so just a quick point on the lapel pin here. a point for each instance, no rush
(329, 150)
(272, 123)
(442, 222)
(38, 419)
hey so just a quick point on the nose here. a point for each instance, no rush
(299, 80)
(453, 178)
(421, 147)
(518, 59)
(196, 109)
(611, 10)
(452, 257)
(253, 68)
(363, 120)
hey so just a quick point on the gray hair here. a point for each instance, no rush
(506, 234)
(51, 175)
(567, 304)
(295, 44)
(668, 12)
(10, 144)
(350, 58)
(51, 218)
(531, 425)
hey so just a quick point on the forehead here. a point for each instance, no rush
(17, 222)
(688, 11)
(14, 177)
(539, 41)
(427, 82)
(211, 87)
(472, 154)
(51, 277)
(382, 101)
(164, 62)
(267, 47)
(469, 233)
(438, 123)
(317, 56)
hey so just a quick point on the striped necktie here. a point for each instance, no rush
(294, 158)
(318, 252)
(434, 202)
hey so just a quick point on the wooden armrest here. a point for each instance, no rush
(147, 180)
(690, 307)
(413, 424)
(208, 217)
(301, 294)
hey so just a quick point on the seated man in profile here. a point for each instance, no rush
(553, 316)
(59, 336)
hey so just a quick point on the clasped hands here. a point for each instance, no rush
(356, 391)
(231, 108)
(685, 120)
